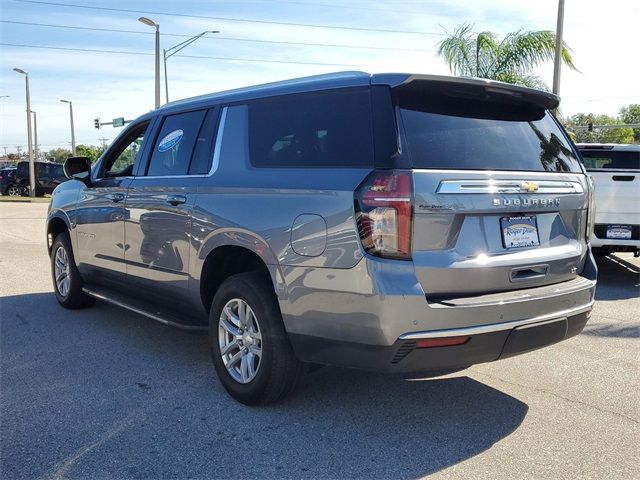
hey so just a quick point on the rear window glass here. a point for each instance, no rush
(454, 133)
(610, 160)
(328, 129)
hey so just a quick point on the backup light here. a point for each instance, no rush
(384, 209)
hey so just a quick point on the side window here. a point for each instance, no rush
(120, 163)
(202, 152)
(175, 144)
(325, 129)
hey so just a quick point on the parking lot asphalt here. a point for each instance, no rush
(105, 393)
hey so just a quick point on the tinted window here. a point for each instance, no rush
(55, 171)
(23, 169)
(174, 146)
(609, 159)
(202, 154)
(329, 129)
(454, 133)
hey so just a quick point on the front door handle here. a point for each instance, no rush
(116, 197)
(176, 199)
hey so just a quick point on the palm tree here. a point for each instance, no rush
(508, 60)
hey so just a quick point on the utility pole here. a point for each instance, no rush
(557, 63)
(104, 142)
(5, 151)
(35, 135)
(32, 173)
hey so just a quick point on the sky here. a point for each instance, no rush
(110, 74)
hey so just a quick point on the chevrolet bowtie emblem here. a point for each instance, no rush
(529, 187)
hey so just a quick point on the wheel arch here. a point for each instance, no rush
(226, 260)
(57, 222)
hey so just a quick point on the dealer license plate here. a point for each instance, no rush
(519, 231)
(620, 232)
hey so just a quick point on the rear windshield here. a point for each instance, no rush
(610, 160)
(470, 134)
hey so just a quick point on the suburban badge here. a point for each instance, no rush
(526, 202)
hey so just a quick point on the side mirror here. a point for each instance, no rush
(77, 168)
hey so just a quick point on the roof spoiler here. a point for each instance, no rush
(465, 87)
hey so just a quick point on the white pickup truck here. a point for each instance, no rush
(615, 170)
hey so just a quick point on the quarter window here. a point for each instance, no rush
(327, 129)
(175, 144)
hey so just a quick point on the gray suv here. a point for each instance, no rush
(389, 222)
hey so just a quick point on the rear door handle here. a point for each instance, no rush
(116, 197)
(623, 178)
(176, 199)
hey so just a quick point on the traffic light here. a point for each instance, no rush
(96, 123)
(590, 126)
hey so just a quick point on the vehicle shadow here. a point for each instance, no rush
(617, 279)
(136, 399)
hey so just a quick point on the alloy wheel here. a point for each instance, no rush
(62, 271)
(240, 340)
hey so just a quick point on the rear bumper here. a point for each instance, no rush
(372, 317)
(405, 356)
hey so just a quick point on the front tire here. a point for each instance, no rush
(67, 282)
(249, 346)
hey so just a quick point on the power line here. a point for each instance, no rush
(344, 6)
(217, 37)
(230, 19)
(230, 59)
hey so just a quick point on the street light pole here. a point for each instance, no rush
(32, 175)
(166, 80)
(151, 23)
(73, 133)
(557, 63)
(35, 135)
(170, 52)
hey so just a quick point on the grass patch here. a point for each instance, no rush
(8, 199)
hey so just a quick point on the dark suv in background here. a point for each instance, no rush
(48, 177)
(7, 182)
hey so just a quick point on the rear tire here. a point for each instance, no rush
(13, 190)
(67, 282)
(258, 365)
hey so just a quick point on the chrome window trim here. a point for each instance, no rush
(216, 151)
(507, 186)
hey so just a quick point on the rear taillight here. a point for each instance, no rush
(591, 211)
(384, 207)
